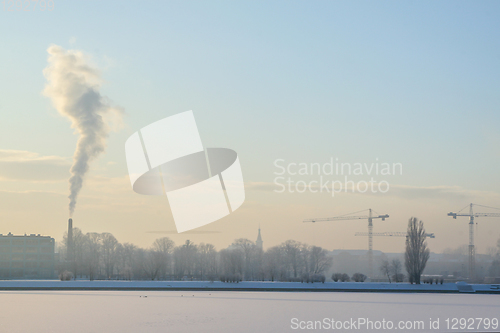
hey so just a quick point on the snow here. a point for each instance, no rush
(223, 311)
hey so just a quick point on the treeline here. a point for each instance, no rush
(101, 256)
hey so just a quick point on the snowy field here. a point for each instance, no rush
(235, 311)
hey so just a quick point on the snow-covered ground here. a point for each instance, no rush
(234, 311)
(246, 285)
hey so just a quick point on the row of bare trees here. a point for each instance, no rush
(101, 256)
(295, 261)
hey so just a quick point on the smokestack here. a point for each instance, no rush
(69, 255)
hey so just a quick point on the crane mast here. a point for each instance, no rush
(368, 217)
(370, 242)
(472, 249)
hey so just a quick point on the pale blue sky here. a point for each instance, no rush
(410, 82)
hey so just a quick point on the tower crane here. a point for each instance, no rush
(389, 233)
(472, 250)
(349, 216)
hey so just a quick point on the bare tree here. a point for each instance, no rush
(385, 268)
(152, 263)
(396, 267)
(292, 252)
(249, 250)
(76, 266)
(92, 253)
(164, 246)
(109, 249)
(319, 261)
(185, 259)
(207, 256)
(79, 240)
(232, 261)
(128, 266)
(417, 253)
(273, 262)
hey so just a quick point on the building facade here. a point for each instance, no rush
(27, 257)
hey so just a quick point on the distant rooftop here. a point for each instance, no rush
(25, 235)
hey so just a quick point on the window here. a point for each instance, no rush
(17, 264)
(47, 257)
(32, 264)
(17, 257)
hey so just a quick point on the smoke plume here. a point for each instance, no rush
(73, 86)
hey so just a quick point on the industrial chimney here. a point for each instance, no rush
(69, 254)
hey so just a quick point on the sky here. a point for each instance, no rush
(414, 83)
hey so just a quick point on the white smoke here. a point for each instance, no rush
(73, 86)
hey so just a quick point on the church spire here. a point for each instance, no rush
(259, 241)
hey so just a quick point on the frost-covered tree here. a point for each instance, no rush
(385, 268)
(164, 247)
(319, 260)
(417, 253)
(396, 268)
(109, 249)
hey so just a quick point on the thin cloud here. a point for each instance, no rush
(25, 165)
(401, 191)
(260, 186)
(32, 192)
